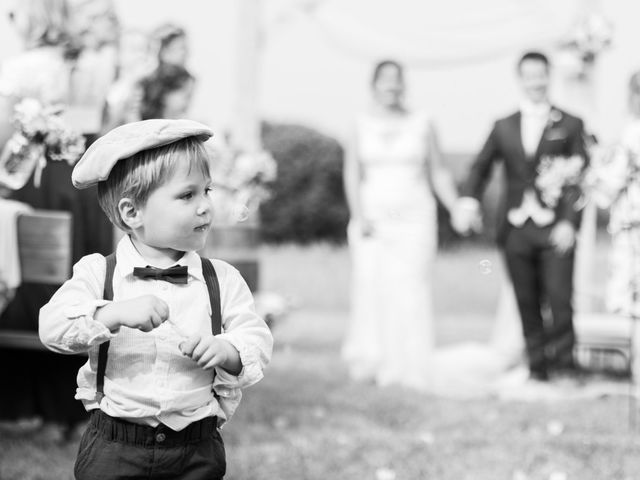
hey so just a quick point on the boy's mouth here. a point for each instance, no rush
(203, 228)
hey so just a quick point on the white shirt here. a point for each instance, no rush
(147, 379)
(533, 118)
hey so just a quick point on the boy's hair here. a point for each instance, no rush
(138, 176)
(534, 55)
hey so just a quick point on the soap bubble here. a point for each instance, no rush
(241, 213)
(485, 267)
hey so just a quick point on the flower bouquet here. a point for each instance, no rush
(40, 135)
(555, 174)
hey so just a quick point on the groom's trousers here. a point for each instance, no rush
(543, 283)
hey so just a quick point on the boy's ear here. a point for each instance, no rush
(129, 213)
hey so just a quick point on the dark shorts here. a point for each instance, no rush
(112, 448)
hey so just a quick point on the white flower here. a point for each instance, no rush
(555, 173)
(555, 116)
(40, 132)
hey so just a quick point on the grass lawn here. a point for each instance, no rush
(305, 420)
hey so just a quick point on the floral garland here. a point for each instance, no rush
(590, 36)
(41, 134)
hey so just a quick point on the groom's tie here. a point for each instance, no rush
(175, 274)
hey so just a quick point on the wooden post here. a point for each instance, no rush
(246, 122)
(238, 244)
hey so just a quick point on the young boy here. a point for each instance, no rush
(159, 379)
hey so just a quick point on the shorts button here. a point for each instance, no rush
(160, 437)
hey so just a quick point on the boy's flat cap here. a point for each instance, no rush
(127, 140)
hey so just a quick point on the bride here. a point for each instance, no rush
(390, 181)
(392, 176)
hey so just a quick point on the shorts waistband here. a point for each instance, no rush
(117, 429)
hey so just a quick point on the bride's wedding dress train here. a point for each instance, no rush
(481, 368)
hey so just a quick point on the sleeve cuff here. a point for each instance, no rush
(85, 331)
(251, 366)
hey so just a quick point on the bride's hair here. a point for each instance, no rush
(381, 65)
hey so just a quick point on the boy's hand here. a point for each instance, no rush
(144, 313)
(209, 352)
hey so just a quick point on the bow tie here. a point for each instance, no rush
(175, 274)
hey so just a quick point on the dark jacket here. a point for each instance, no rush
(562, 136)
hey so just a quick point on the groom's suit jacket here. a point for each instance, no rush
(563, 135)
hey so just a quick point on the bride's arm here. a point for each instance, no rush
(352, 177)
(440, 176)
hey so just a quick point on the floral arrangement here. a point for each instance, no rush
(41, 135)
(610, 170)
(590, 36)
(613, 180)
(241, 182)
(555, 174)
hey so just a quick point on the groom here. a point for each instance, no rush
(538, 238)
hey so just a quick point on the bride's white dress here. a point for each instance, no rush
(390, 335)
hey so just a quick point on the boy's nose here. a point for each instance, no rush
(204, 207)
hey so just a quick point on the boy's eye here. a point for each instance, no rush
(186, 195)
(208, 190)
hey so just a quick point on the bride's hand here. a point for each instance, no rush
(465, 217)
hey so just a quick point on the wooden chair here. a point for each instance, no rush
(44, 244)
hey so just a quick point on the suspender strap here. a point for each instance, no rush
(213, 287)
(104, 347)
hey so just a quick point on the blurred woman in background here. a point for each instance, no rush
(392, 176)
(166, 93)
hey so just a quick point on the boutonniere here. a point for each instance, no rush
(554, 117)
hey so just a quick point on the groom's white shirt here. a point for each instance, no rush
(533, 119)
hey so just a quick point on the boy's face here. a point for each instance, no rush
(177, 215)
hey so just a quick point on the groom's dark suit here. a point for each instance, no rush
(541, 276)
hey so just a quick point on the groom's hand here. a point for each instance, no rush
(465, 216)
(563, 237)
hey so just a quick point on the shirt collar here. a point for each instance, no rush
(528, 108)
(128, 257)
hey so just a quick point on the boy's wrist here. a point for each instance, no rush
(103, 315)
(232, 363)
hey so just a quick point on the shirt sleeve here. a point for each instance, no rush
(245, 330)
(66, 323)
